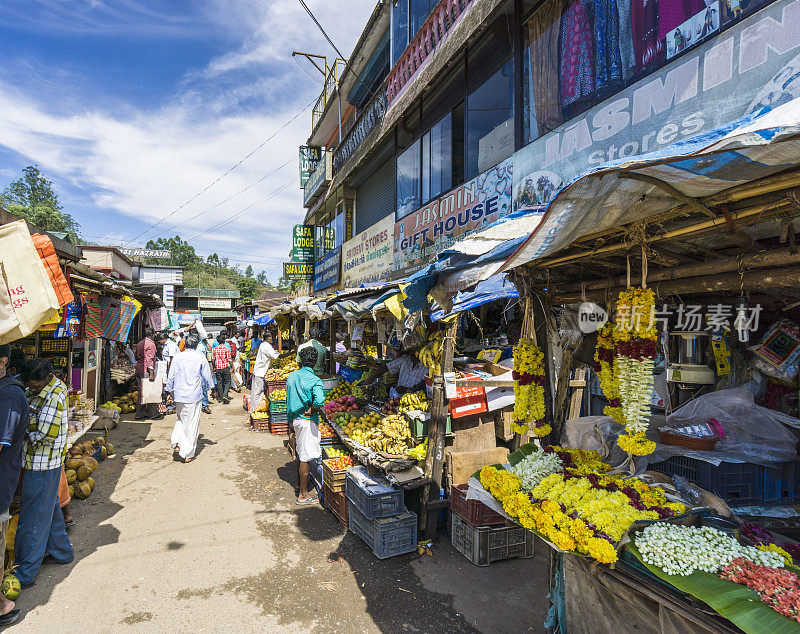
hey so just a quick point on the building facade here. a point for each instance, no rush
(452, 114)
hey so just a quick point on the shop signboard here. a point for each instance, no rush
(303, 243)
(168, 296)
(367, 258)
(754, 64)
(213, 302)
(421, 235)
(326, 271)
(298, 271)
(146, 253)
(309, 158)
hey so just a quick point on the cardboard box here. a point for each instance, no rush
(461, 466)
(502, 425)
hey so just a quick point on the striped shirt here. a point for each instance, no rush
(46, 440)
(221, 356)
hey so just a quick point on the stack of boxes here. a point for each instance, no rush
(377, 515)
(278, 422)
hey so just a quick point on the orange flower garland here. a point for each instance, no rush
(529, 379)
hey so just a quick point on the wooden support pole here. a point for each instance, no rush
(437, 428)
(543, 339)
(332, 343)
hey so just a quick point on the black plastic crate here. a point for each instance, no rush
(484, 544)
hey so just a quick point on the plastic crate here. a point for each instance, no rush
(349, 374)
(273, 386)
(474, 511)
(336, 503)
(328, 441)
(386, 536)
(260, 424)
(334, 479)
(373, 505)
(738, 483)
(483, 545)
(419, 428)
(98, 454)
(278, 429)
(278, 417)
(277, 406)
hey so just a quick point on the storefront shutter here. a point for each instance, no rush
(375, 197)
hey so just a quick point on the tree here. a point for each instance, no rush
(183, 253)
(32, 197)
(261, 278)
(248, 271)
(248, 287)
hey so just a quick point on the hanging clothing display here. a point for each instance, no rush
(544, 30)
(625, 42)
(607, 63)
(116, 317)
(646, 44)
(91, 304)
(576, 69)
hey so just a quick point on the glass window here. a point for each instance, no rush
(339, 230)
(408, 180)
(399, 29)
(418, 11)
(490, 122)
(437, 159)
(581, 52)
(459, 167)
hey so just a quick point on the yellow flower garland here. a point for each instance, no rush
(528, 375)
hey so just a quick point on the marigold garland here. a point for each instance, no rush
(604, 365)
(528, 377)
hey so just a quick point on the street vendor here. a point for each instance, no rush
(304, 399)
(410, 372)
(322, 351)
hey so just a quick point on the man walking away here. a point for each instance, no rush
(188, 375)
(145, 367)
(304, 398)
(264, 357)
(41, 524)
(236, 368)
(322, 351)
(203, 350)
(14, 419)
(221, 356)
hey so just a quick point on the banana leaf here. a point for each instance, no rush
(737, 603)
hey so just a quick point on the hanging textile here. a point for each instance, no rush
(607, 63)
(157, 319)
(116, 316)
(646, 44)
(47, 252)
(92, 327)
(625, 42)
(576, 69)
(544, 29)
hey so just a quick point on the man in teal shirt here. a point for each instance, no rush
(304, 398)
(322, 351)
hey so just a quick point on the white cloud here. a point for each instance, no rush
(144, 163)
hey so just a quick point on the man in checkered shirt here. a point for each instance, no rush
(41, 525)
(223, 363)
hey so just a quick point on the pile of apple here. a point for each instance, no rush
(341, 404)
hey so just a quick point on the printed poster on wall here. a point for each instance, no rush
(367, 258)
(751, 66)
(421, 235)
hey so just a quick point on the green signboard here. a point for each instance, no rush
(298, 271)
(303, 243)
(309, 158)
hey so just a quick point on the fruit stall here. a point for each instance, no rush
(656, 374)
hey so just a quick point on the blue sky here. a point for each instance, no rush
(132, 107)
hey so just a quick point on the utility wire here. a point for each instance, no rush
(224, 174)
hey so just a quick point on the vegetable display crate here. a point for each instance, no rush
(334, 479)
(278, 429)
(274, 386)
(483, 545)
(259, 424)
(277, 406)
(329, 441)
(738, 483)
(374, 505)
(474, 511)
(333, 446)
(350, 374)
(386, 536)
(336, 503)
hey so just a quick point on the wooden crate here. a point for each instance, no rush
(336, 503)
(333, 479)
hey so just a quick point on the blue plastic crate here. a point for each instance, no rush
(386, 536)
(738, 483)
(373, 505)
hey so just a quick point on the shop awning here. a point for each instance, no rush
(618, 193)
(262, 320)
(496, 287)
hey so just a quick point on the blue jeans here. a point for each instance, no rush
(41, 524)
(206, 401)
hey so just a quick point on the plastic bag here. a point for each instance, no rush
(750, 430)
(778, 354)
(596, 433)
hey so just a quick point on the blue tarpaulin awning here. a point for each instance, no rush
(263, 320)
(496, 287)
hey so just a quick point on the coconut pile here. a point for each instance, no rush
(81, 464)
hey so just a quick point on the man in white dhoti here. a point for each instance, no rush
(188, 375)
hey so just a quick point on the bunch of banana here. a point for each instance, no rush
(414, 400)
(430, 355)
(390, 433)
(420, 452)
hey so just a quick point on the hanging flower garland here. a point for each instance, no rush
(528, 377)
(605, 365)
(636, 345)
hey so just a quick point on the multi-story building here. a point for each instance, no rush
(451, 114)
(214, 306)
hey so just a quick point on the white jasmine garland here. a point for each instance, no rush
(680, 550)
(535, 468)
(635, 388)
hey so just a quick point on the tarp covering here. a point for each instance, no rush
(752, 147)
(496, 287)
(262, 320)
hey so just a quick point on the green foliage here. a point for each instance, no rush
(183, 253)
(249, 288)
(32, 197)
(248, 272)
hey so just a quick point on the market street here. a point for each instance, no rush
(219, 544)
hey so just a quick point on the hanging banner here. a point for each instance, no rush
(303, 243)
(310, 156)
(367, 258)
(466, 209)
(298, 271)
(326, 271)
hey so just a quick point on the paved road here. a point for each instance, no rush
(219, 545)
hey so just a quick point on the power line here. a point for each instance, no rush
(228, 171)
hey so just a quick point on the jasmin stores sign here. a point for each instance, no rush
(754, 64)
(367, 258)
